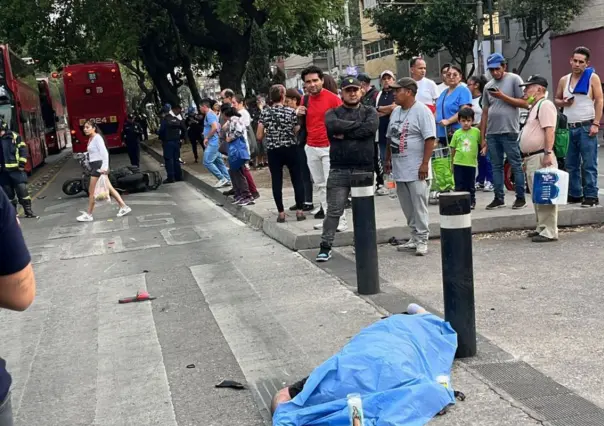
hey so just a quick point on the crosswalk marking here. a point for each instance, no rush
(132, 382)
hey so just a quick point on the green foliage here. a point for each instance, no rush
(429, 27)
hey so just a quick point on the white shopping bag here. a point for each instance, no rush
(101, 191)
(550, 186)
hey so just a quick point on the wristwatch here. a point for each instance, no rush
(546, 152)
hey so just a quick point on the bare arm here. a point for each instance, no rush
(550, 134)
(455, 118)
(385, 110)
(483, 126)
(18, 290)
(260, 132)
(515, 102)
(559, 98)
(213, 130)
(596, 85)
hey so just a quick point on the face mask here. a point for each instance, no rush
(531, 100)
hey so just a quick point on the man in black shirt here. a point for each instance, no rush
(351, 130)
(194, 131)
(131, 135)
(17, 287)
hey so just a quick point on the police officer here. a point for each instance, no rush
(13, 179)
(171, 131)
(131, 135)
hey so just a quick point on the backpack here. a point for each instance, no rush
(561, 134)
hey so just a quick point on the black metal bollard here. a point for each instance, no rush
(458, 269)
(365, 234)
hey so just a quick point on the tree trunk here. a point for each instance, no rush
(191, 82)
(167, 92)
(530, 47)
(233, 67)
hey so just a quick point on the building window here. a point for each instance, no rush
(378, 49)
(369, 4)
(486, 27)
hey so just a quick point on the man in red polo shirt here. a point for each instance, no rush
(317, 143)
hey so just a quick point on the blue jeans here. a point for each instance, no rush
(485, 169)
(582, 161)
(213, 161)
(500, 144)
(171, 160)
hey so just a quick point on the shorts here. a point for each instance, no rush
(95, 167)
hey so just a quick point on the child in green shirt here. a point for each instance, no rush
(465, 146)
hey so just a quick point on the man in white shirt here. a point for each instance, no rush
(427, 91)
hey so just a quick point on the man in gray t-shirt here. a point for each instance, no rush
(410, 141)
(500, 125)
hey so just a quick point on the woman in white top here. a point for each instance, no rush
(98, 157)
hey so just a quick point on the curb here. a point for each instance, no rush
(283, 235)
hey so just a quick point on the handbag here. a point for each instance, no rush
(223, 148)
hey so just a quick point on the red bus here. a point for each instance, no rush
(95, 91)
(53, 114)
(20, 104)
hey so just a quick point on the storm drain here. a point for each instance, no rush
(556, 403)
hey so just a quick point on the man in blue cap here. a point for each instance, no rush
(500, 126)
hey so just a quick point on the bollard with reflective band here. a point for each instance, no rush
(365, 234)
(458, 269)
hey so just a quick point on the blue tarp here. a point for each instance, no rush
(393, 364)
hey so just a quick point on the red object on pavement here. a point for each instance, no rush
(141, 296)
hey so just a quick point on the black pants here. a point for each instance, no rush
(196, 140)
(239, 182)
(304, 174)
(465, 180)
(171, 156)
(377, 165)
(134, 152)
(286, 156)
(14, 183)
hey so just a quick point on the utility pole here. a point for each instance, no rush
(491, 35)
(480, 36)
(347, 23)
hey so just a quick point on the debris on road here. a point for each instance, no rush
(230, 384)
(141, 296)
(191, 366)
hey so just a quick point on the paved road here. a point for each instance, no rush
(230, 301)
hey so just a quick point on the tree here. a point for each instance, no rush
(538, 17)
(429, 27)
(225, 27)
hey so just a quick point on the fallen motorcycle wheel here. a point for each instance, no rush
(73, 186)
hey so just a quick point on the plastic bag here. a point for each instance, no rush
(550, 186)
(101, 190)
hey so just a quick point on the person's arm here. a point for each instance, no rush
(104, 154)
(385, 110)
(428, 130)
(22, 147)
(596, 85)
(213, 130)
(260, 132)
(483, 127)
(336, 126)
(559, 100)
(17, 281)
(517, 100)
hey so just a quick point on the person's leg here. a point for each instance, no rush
(169, 161)
(495, 147)
(6, 412)
(325, 163)
(176, 160)
(242, 182)
(20, 187)
(209, 159)
(418, 192)
(305, 173)
(194, 148)
(512, 152)
(250, 181)
(137, 154)
(377, 166)
(234, 183)
(292, 162)
(131, 155)
(547, 215)
(465, 180)
(530, 168)
(219, 163)
(91, 187)
(573, 164)
(315, 165)
(275, 166)
(482, 165)
(589, 155)
(337, 190)
(382, 146)
(404, 198)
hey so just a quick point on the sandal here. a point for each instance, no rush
(300, 216)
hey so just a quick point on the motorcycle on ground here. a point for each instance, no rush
(128, 179)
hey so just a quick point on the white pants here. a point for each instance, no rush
(318, 164)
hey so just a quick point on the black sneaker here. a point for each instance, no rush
(308, 207)
(574, 200)
(169, 181)
(229, 192)
(496, 204)
(256, 195)
(320, 214)
(542, 239)
(473, 205)
(324, 254)
(589, 202)
(520, 203)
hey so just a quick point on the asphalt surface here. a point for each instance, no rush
(231, 304)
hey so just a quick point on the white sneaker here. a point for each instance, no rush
(409, 245)
(85, 217)
(227, 183)
(318, 226)
(381, 191)
(124, 211)
(342, 226)
(221, 183)
(488, 187)
(315, 210)
(422, 249)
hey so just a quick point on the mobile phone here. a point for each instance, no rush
(493, 89)
(570, 98)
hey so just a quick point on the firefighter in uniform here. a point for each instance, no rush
(13, 179)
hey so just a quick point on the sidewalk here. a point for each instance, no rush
(390, 219)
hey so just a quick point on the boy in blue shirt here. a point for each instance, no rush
(465, 146)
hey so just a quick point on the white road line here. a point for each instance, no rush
(64, 205)
(132, 384)
(150, 203)
(150, 195)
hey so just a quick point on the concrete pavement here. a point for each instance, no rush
(230, 301)
(390, 219)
